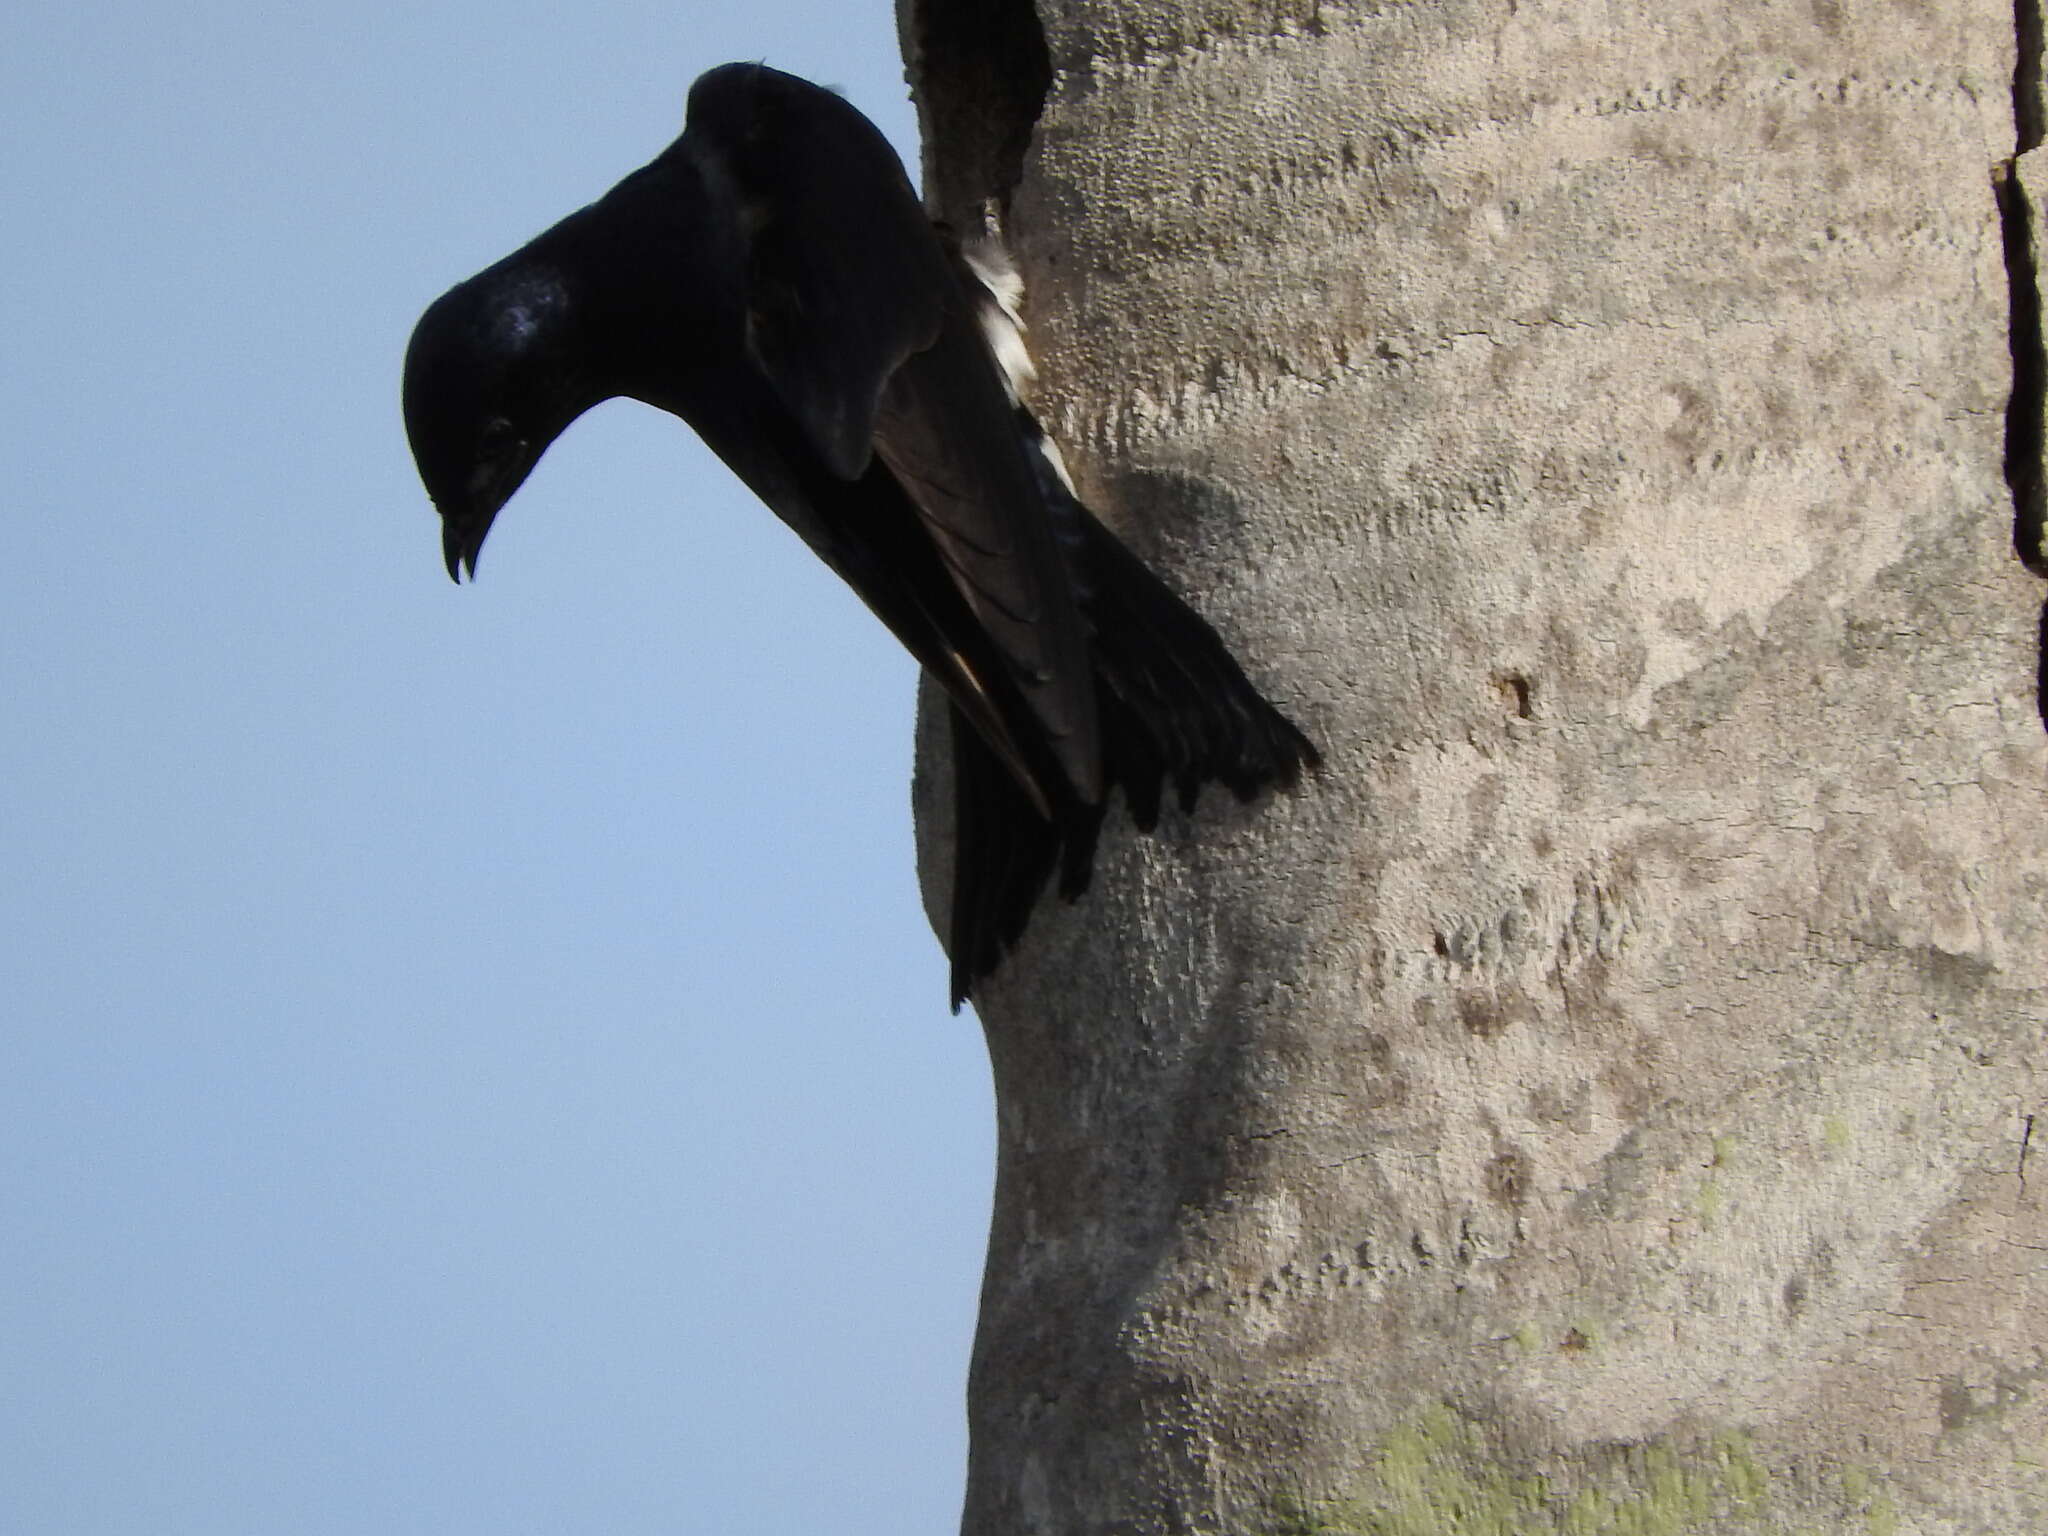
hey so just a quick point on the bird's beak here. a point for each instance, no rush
(464, 527)
(461, 538)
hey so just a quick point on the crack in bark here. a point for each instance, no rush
(2023, 417)
(2028, 108)
(2026, 417)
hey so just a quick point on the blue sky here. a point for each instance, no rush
(470, 1060)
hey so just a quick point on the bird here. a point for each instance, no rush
(772, 279)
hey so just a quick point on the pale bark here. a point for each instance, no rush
(1601, 1102)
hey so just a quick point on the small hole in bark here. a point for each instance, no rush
(1515, 688)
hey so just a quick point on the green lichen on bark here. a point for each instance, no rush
(1436, 1475)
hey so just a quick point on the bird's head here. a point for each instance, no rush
(492, 376)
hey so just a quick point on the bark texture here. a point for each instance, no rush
(1604, 1102)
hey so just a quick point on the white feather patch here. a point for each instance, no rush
(1049, 451)
(1001, 312)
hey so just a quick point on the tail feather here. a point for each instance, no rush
(1183, 692)
(1175, 708)
(1003, 852)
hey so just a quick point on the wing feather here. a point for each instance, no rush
(843, 277)
(864, 324)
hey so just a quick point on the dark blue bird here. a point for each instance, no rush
(772, 279)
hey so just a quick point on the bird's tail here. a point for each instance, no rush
(1176, 709)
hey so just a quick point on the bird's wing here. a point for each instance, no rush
(946, 432)
(843, 278)
(857, 317)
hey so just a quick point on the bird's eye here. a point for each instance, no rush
(500, 437)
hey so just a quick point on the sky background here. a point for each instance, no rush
(470, 1060)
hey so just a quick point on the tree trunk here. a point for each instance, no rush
(1602, 1101)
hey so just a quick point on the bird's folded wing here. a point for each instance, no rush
(858, 320)
(843, 276)
(945, 431)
